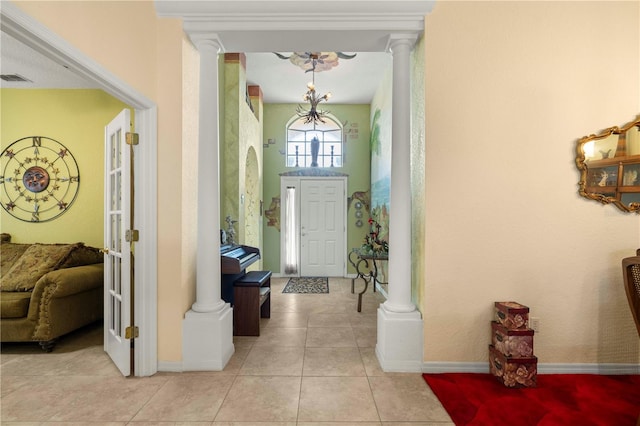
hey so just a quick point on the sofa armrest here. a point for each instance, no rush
(64, 282)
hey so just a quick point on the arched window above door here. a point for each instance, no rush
(315, 145)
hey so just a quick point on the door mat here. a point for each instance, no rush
(307, 285)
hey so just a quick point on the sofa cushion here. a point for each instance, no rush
(82, 255)
(14, 304)
(36, 261)
(9, 254)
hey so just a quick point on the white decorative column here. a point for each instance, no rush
(400, 331)
(207, 329)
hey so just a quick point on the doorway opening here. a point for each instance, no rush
(313, 241)
(34, 35)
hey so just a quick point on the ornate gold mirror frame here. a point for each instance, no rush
(609, 165)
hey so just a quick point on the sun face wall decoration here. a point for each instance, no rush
(39, 179)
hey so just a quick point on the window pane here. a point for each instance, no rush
(333, 136)
(300, 135)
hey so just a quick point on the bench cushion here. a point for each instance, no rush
(254, 278)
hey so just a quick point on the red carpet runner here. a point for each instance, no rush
(559, 400)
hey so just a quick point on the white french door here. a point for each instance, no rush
(118, 259)
(322, 227)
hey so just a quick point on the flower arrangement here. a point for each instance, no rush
(372, 243)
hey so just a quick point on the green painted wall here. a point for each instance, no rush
(355, 119)
(241, 153)
(76, 118)
(417, 173)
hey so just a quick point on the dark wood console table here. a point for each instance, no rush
(366, 265)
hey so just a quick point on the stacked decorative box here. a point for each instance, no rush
(511, 358)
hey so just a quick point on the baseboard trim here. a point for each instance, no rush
(403, 366)
(455, 367)
(170, 366)
(549, 368)
(605, 369)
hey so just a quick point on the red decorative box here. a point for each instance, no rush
(512, 315)
(516, 343)
(513, 372)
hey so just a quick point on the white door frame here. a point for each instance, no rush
(33, 34)
(296, 181)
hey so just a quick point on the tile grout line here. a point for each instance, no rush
(148, 400)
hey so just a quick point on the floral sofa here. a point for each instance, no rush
(48, 290)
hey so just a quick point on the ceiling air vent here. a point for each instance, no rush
(15, 78)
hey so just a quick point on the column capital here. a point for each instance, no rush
(208, 41)
(400, 39)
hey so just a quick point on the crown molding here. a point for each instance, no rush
(292, 25)
(231, 8)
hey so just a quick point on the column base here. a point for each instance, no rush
(400, 341)
(207, 340)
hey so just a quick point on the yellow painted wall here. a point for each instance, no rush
(510, 87)
(75, 118)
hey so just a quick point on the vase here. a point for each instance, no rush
(315, 148)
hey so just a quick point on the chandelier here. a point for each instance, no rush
(313, 114)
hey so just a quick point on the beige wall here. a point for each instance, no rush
(510, 87)
(130, 41)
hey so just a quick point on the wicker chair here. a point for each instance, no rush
(631, 272)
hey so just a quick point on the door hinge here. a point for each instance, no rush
(131, 332)
(131, 235)
(132, 138)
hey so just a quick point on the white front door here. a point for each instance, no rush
(117, 260)
(322, 227)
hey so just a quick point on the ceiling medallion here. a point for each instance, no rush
(315, 61)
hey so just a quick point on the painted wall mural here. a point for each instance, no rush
(273, 213)
(362, 196)
(380, 146)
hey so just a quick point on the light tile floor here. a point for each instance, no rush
(314, 364)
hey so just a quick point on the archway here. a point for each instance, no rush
(223, 25)
(251, 211)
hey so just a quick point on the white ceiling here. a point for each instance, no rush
(17, 58)
(353, 81)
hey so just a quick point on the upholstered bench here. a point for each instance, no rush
(251, 301)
